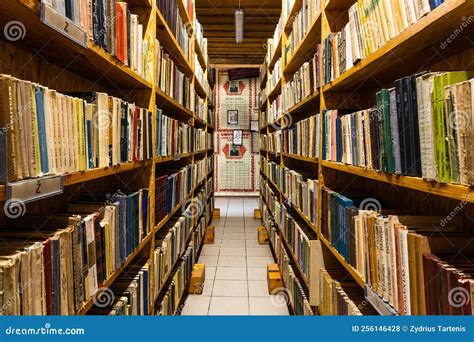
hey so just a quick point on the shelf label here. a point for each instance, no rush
(52, 18)
(35, 189)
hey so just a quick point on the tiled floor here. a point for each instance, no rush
(236, 282)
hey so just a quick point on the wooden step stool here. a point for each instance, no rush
(196, 283)
(262, 235)
(274, 279)
(209, 235)
(257, 214)
(216, 213)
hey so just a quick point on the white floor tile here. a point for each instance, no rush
(232, 261)
(196, 305)
(231, 273)
(232, 251)
(252, 242)
(257, 261)
(263, 251)
(230, 288)
(210, 250)
(266, 306)
(233, 242)
(257, 273)
(228, 234)
(258, 288)
(208, 287)
(208, 260)
(228, 306)
(210, 272)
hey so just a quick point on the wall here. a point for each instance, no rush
(236, 166)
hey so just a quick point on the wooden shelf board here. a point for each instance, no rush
(92, 62)
(173, 108)
(291, 16)
(339, 4)
(199, 88)
(263, 82)
(169, 42)
(455, 191)
(395, 58)
(302, 158)
(187, 22)
(352, 271)
(263, 105)
(2, 193)
(199, 54)
(276, 53)
(306, 104)
(276, 91)
(306, 49)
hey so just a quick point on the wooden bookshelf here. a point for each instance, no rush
(305, 50)
(308, 104)
(301, 158)
(275, 91)
(92, 68)
(276, 53)
(456, 191)
(291, 16)
(395, 58)
(168, 40)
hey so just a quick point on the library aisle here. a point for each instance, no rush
(235, 266)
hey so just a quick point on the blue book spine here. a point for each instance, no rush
(90, 158)
(43, 145)
(338, 140)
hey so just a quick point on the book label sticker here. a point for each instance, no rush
(49, 16)
(35, 189)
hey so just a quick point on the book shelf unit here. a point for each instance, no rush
(62, 64)
(413, 50)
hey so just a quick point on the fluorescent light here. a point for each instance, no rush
(239, 25)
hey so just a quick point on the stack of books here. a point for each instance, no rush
(418, 128)
(51, 133)
(371, 25)
(304, 82)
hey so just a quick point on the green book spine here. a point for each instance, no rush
(381, 138)
(390, 160)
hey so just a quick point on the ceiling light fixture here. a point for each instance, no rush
(239, 25)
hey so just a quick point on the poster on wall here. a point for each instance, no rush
(233, 117)
(237, 137)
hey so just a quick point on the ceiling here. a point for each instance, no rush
(217, 18)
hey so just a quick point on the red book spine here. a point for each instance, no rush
(47, 276)
(119, 38)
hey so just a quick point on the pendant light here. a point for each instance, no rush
(239, 25)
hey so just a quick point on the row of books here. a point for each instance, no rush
(271, 142)
(418, 128)
(303, 83)
(272, 43)
(302, 138)
(200, 139)
(371, 25)
(172, 81)
(128, 296)
(171, 188)
(340, 295)
(170, 11)
(200, 107)
(301, 24)
(301, 191)
(387, 249)
(274, 110)
(112, 26)
(51, 133)
(293, 294)
(169, 304)
(200, 73)
(63, 264)
(300, 240)
(201, 41)
(275, 75)
(170, 245)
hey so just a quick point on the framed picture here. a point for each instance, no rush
(233, 117)
(237, 137)
(254, 125)
(234, 87)
(234, 151)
